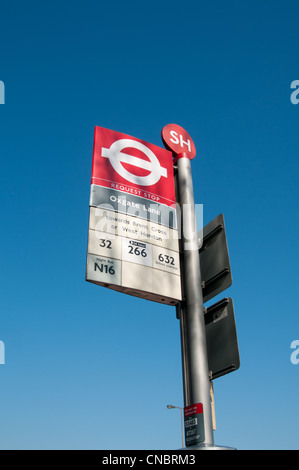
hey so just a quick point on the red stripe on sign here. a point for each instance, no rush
(193, 410)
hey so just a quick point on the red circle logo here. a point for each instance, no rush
(176, 139)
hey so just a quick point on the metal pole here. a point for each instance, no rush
(182, 427)
(193, 336)
(182, 421)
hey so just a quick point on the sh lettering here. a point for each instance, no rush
(295, 94)
(295, 354)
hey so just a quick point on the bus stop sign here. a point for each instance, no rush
(214, 259)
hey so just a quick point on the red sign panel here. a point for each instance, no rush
(130, 165)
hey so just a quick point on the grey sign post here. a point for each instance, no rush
(193, 336)
(192, 323)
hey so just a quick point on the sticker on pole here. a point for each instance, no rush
(176, 139)
(194, 424)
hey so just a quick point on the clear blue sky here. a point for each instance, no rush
(89, 368)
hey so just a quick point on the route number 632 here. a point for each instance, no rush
(166, 259)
